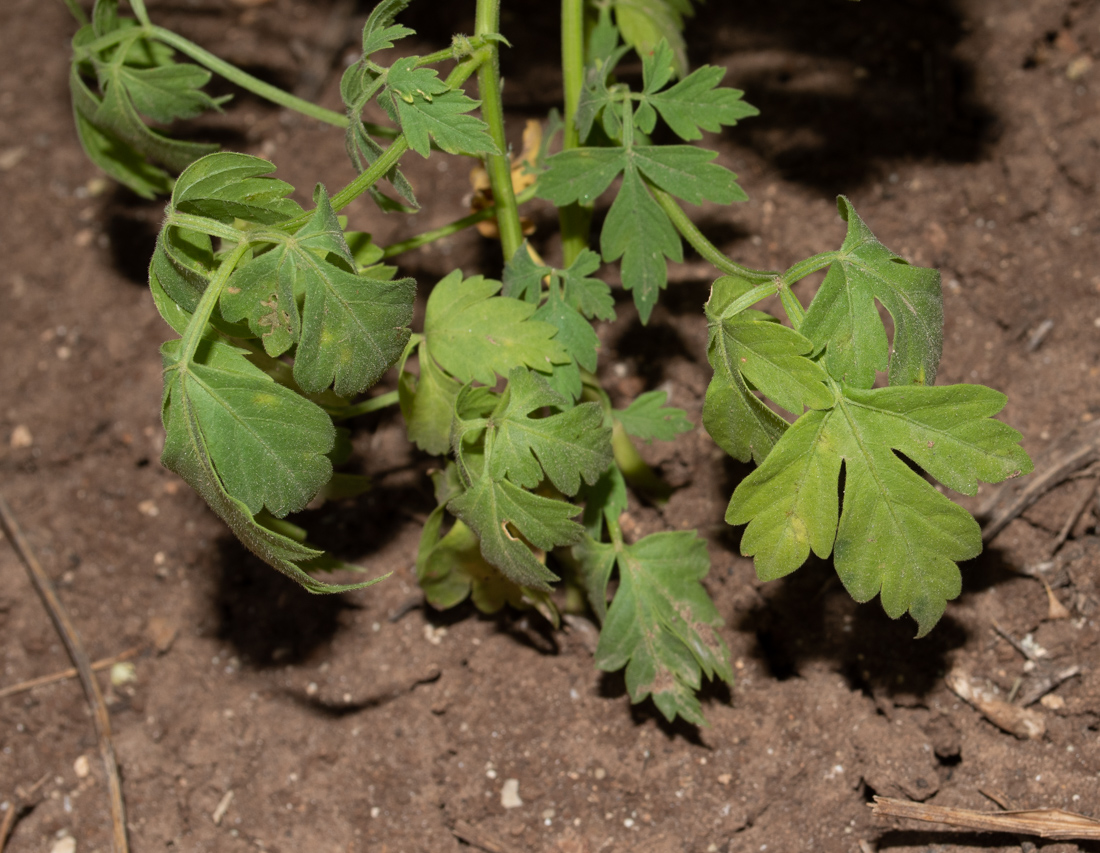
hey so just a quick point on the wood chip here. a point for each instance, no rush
(1021, 722)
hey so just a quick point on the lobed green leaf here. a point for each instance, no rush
(897, 535)
(661, 625)
(844, 321)
(648, 418)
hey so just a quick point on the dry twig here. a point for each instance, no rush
(478, 838)
(20, 802)
(98, 666)
(75, 646)
(1076, 450)
(1044, 823)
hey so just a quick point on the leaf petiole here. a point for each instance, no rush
(205, 309)
(698, 241)
(204, 225)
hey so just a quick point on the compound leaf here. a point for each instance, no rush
(380, 32)
(688, 173)
(640, 233)
(662, 625)
(844, 321)
(352, 326)
(426, 109)
(897, 535)
(475, 335)
(697, 103)
(771, 357)
(580, 174)
(493, 509)
(571, 445)
(648, 418)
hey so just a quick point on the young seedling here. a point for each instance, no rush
(286, 318)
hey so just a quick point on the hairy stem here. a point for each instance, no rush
(499, 166)
(574, 219)
(205, 309)
(245, 80)
(372, 405)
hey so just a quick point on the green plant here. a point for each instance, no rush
(286, 318)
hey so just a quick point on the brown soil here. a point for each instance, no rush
(967, 133)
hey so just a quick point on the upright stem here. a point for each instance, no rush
(575, 219)
(499, 165)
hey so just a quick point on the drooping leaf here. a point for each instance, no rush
(198, 403)
(267, 444)
(135, 78)
(358, 85)
(844, 320)
(183, 262)
(476, 335)
(427, 109)
(648, 418)
(352, 327)
(662, 625)
(569, 446)
(897, 535)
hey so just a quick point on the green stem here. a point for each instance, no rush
(575, 220)
(810, 265)
(451, 228)
(372, 405)
(205, 310)
(635, 469)
(204, 226)
(142, 15)
(77, 13)
(246, 80)
(706, 249)
(499, 166)
(377, 170)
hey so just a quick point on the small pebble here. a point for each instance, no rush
(64, 845)
(21, 437)
(509, 794)
(82, 767)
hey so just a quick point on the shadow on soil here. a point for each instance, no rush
(809, 616)
(841, 85)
